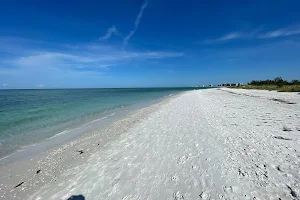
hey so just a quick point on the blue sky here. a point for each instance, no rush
(119, 43)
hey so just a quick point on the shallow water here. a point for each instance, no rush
(30, 116)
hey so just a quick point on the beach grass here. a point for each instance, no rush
(279, 88)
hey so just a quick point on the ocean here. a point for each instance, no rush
(28, 117)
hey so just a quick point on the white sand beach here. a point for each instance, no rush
(201, 144)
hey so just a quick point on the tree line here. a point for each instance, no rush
(276, 81)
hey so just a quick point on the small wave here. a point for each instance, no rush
(98, 119)
(6, 156)
(91, 122)
(22, 148)
(166, 96)
(61, 133)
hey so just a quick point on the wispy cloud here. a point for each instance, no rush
(78, 64)
(111, 31)
(86, 57)
(136, 23)
(51, 59)
(39, 85)
(256, 34)
(91, 60)
(227, 37)
(160, 55)
(284, 32)
(231, 36)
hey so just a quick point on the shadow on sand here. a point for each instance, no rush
(76, 197)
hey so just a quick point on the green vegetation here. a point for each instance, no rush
(277, 81)
(277, 84)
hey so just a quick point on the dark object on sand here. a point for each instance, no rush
(38, 171)
(282, 101)
(19, 184)
(286, 128)
(76, 197)
(293, 193)
(80, 151)
(282, 138)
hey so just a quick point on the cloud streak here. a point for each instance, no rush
(84, 58)
(39, 85)
(284, 32)
(230, 36)
(257, 34)
(111, 31)
(136, 23)
(225, 38)
(26, 66)
(64, 60)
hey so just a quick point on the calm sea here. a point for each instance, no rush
(30, 116)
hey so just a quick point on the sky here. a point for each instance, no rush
(152, 43)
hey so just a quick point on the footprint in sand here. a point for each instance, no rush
(205, 195)
(178, 196)
(182, 160)
(174, 178)
(195, 167)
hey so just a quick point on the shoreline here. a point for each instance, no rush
(213, 144)
(76, 132)
(38, 115)
(53, 161)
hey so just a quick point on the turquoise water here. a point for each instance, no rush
(30, 116)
